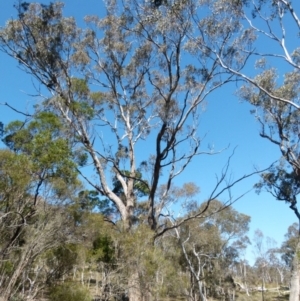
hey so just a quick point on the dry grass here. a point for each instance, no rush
(257, 296)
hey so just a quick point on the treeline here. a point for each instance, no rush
(89, 196)
(60, 241)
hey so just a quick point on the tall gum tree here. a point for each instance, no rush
(139, 73)
(275, 97)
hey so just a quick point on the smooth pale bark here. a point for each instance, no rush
(294, 284)
(14, 277)
(134, 293)
(201, 291)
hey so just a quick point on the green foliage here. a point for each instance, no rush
(81, 104)
(97, 97)
(107, 208)
(87, 202)
(1, 129)
(210, 246)
(42, 142)
(33, 221)
(80, 157)
(12, 177)
(61, 260)
(69, 292)
(141, 188)
(156, 271)
(6, 268)
(80, 87)
(134, 56)
(289, 245)
(103, 249)
(282, 183)
(47, 22)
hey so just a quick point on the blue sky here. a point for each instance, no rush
(226, 122)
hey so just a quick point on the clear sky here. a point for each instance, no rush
(226, 122)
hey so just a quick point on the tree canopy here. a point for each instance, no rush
(82, 193)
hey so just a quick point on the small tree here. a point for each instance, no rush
(37, 177)
(209, 247)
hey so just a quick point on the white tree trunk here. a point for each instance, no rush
(134, 293)
(201, 291)
(294, 283)
(13, 279)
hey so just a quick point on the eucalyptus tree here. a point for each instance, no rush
(274, 23)
(288, 246)
(129, 87)
(37, 181)
(273, 89)
(210, 245)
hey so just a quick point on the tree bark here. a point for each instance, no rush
(13, 279)
(201, 291)
(134, 293)
(294, 283)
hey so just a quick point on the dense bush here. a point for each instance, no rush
(69, 292)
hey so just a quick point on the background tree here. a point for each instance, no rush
(209, 247)
(288, 247)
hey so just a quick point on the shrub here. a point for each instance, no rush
(69, 292)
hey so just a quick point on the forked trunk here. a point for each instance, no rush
(201, 291)
(294, 284)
